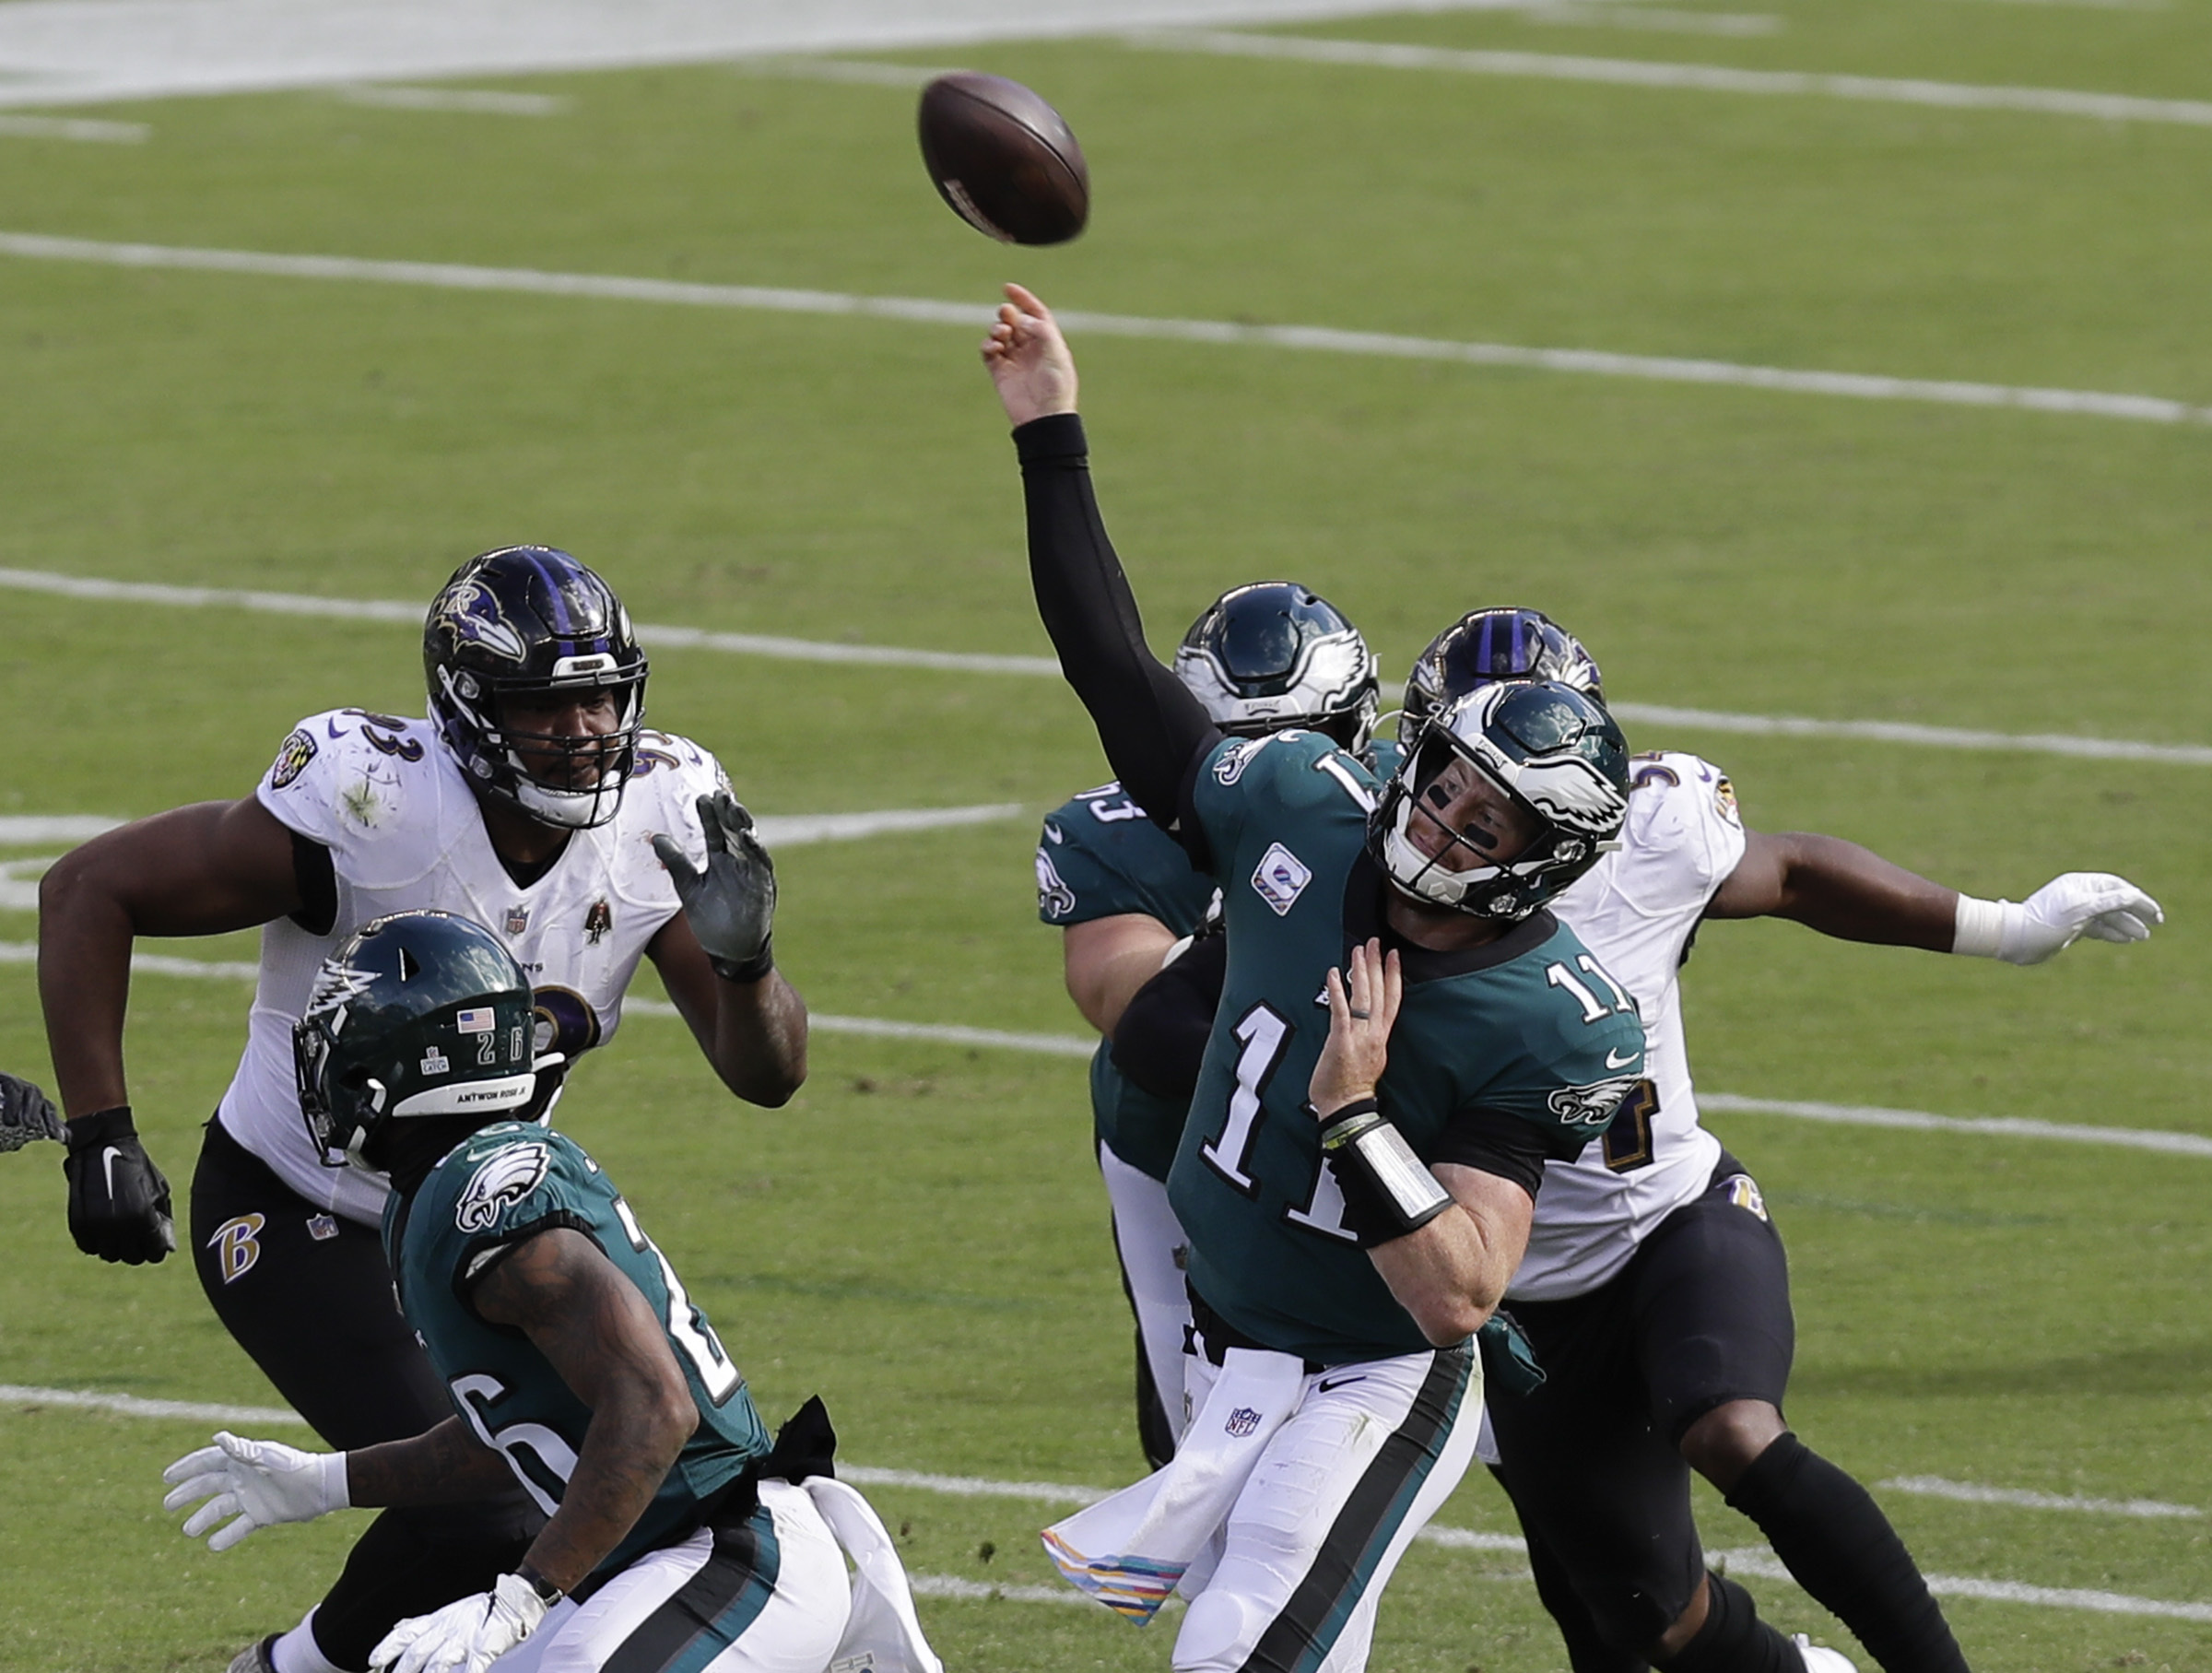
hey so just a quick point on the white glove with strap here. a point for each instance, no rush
(2092, 903)
(466, 1636)
(260, 1483)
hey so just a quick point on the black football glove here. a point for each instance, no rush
(25, 1114)
(732, 904)
(118, 1200)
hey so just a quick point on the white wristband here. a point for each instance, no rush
(1981, 930)
(337, 1486)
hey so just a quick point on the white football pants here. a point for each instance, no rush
(1371, 1454)
(795, 1629)
(1149, 1240)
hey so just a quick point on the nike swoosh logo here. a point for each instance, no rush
(107, 1167)
(1329, 1383)
(1614, 1060)
(331, 726)
(1052, 834)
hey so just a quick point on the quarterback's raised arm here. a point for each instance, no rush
(1152, 728)
(1842, 890)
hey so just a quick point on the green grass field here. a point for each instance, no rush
(920, 1236)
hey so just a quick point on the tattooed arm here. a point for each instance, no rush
(597, 1330)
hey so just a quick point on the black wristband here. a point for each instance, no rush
(1388, 1191)
(100, 1127)
(752, 970)
(547, 1593)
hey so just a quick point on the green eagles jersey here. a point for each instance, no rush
(505, 1183)
(1098, 856)
(1513, 1031)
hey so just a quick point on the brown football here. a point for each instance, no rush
(1004, 160)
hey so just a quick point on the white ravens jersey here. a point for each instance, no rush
(404, 832)
(1636, 909)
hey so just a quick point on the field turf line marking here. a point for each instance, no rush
(1763, 1565)
(1853, 385)
(1696, 78)
(383, 95)
(1968, 1492)
(1076, 1045)
(74, 127)
(808, 650)
(1759, 1563)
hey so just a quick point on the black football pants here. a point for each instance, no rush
(1700, 1316)
(308, 1296)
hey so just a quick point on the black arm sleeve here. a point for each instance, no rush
(1153, 729)
(1161, 1040)
(317, 879)
(1495, 1142)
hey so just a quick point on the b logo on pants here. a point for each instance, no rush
(237, 1245)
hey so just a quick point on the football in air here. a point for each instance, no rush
(1004, 160)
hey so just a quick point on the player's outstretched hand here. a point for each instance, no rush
(1028, 359)
(2092, 903)
(1361, 1012)
(26, 1114)
(466, 1636)
(256, 1483)
(118, 1200)
(731, 905)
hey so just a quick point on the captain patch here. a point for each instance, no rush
(1282, 877)
(292, 757)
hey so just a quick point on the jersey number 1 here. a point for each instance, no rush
(1266, 1036)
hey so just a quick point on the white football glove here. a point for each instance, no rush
(466, 1636)
(2092, 903)
(260, 1483)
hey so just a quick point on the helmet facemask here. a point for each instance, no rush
(1555, 757)
(532, 624)
(573, 781)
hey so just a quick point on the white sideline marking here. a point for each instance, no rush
(19, 828)
(384, 609)
(1699, 77)
(808, 650)
(480, 102)
(80, 128)
(1737, 24)
(2008, 1127)
(1967, 1493)
(131, 1406)
(1863, 386)
(1074, 1045)
(1905, 731)
(1765, 1566)
(853, 70)
(1759, 1563)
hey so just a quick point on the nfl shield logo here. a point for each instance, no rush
(518, 920)
(1241, 1422)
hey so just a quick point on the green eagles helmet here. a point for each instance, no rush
(418, 1015)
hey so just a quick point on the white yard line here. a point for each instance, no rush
(465, 99)
(77, 52)
(1759, 1563)
(808, 650)
(1691, 78)
(972, 316)
(1077, 1046)
(78, 128)
(1968, 1492)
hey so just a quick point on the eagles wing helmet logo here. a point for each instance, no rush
(471, 612)
(337, 986)
(1591, 1105)
(511, 1176)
